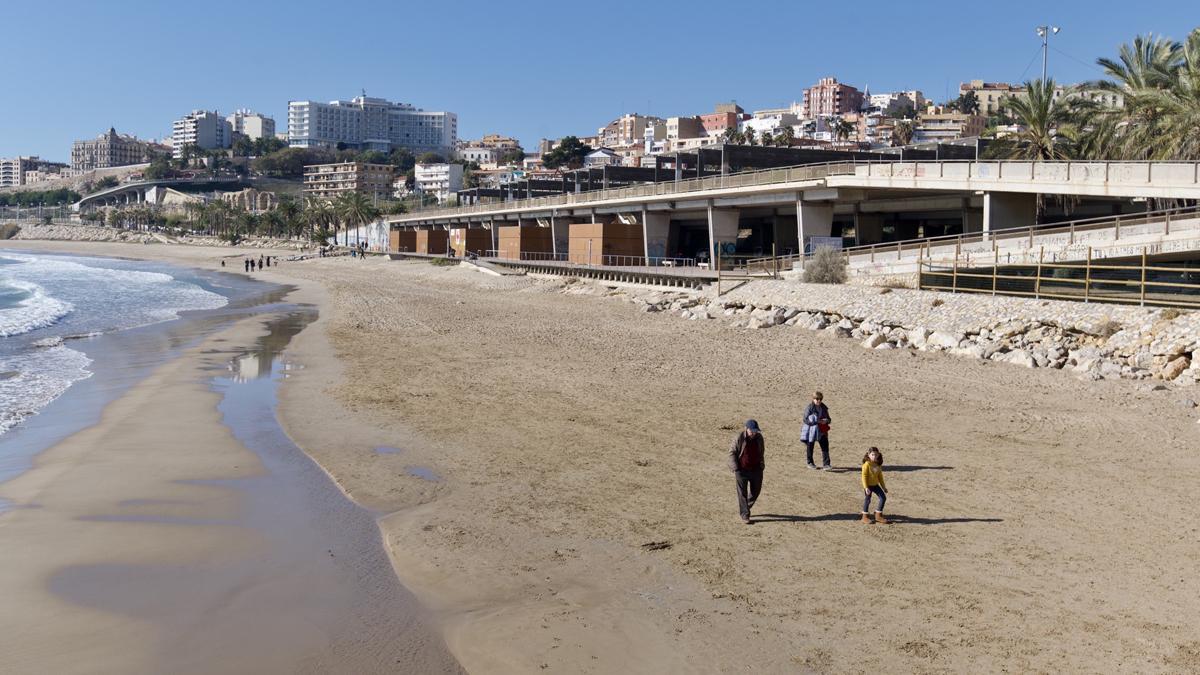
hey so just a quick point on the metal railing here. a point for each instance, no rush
(923, 246)
(1088, 281)
(1146, 172)
(583, 258)
(762, 177)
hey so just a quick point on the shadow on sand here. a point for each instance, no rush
(897, 468)
(896, 519)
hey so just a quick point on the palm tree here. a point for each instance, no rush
(289, 214)
(1046, 131)
(748, 135)
(902, 133)
(767, 139)
(355, 210)
(787, 136)
(730, 134)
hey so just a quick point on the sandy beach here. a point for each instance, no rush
(555, 490)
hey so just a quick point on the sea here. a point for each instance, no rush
(76, 330)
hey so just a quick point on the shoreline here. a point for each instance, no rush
(573, 433)
(131, 529)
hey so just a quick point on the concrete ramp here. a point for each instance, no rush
(488, 268)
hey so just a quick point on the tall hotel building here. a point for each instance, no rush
(365, 123)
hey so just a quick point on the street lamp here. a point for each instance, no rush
(1045, 32)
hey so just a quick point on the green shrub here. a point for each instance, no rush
(826, 266)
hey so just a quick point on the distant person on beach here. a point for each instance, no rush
(815, 430)
(246, 264)
(259, 264)
(747, 460)
(222, 262)
(873, 484)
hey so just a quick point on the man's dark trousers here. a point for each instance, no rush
(747, 481)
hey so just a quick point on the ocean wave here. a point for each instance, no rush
(114, 298)
(36, 310)
(34, 379)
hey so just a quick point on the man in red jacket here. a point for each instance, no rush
(747, 459)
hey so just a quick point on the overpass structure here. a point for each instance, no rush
(787, 210)
(142, 192)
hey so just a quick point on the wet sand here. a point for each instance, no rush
(584, 520)
(185, 532)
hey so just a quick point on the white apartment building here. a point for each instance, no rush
(202, 128)
(438, 179)
(16, 171)
(252, 125)
(370, 124)
(479, 154)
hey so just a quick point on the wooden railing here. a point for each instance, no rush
(1135, 282)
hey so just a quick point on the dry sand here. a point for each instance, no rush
(1042, 524)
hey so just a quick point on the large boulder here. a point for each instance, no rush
(874, 340)
(1175, 368)
(1021, 357)
(943, 340)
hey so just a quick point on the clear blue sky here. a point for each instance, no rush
(529, 69)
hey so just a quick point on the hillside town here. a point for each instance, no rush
(397, 154)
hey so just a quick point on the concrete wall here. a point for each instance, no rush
(1002, 210)
(656, 233)
(590, 242)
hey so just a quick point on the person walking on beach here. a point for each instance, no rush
(246, 264)
(747, 459)
(815, 430)
(259, 263)
(873, 484)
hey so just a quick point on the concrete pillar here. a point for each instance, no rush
(722, 227)
(868, 228)
(1002, 210)
(560, 228)
(656, 229)
(813, 219)
(972, 220)
(785, 235)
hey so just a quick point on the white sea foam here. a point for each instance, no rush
(34, 379)
(113, 299)
(36, 310)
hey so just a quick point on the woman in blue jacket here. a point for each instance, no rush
(815, 430)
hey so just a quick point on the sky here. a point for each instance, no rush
(528, 69)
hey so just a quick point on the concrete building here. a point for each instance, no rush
(252, 125)
(991, 95)
(602, 157)
(202, 128)
(330, 181)
(15, 171)
(365, 123)
(499, 142)
(440, 180)
(112, 149)
(684, 127)
(947, 126)
(725, 116)
(479, 154)
(894, 101)
(626, 130)
(829, 97)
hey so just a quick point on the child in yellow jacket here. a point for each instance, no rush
(873, 483)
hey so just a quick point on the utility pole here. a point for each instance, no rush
(1045, 32)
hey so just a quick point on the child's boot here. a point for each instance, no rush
(880, 519)
(866, 519)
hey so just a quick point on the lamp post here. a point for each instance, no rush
(1045, 32)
